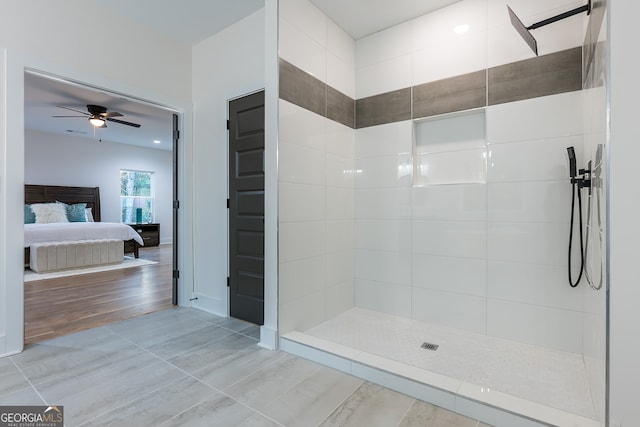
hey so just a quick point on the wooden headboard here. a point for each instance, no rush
(69, 195)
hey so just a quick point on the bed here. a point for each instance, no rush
(39, 233)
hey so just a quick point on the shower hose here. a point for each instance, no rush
(573, 208)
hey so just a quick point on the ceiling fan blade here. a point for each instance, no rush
(73, 109)
(82, 117)
(111, 114)
(122, 122)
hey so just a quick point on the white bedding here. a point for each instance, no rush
(69, 231)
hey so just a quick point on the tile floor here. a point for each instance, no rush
(186, 367)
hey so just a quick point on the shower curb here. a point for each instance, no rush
(489, 406)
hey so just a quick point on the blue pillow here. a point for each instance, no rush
(76, 212)
(29, 216)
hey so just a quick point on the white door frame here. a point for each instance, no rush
(12, 188)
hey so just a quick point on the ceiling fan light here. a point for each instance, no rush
(97, 121)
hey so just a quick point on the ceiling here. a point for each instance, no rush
(360, 18)
(43, 96)
(189, 22)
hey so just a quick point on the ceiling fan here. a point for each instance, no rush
(98, 116)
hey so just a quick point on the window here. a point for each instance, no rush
(136, 196)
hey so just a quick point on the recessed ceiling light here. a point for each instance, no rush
(155, 141)
(461, 29)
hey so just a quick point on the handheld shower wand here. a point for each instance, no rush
(577, 184)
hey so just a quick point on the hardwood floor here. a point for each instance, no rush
(61, 306)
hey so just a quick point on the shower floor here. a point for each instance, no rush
(551, 378)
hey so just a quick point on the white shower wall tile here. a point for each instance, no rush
(383, 266)
(340, 235)
(340, 298)
(301, 202)
(302, 127)
(307, 18)
(538, 160)
(384, 172)
(506, 45)
(463, 202)
(537, 325)
(384, 234)
(542, 201)
(301, 277)
(542, 285)
(450, 238)
(383, 203)
(460, 311)
(340, 268)
(341, 60)
(449, 274)
(340, 203)
(383, 45)
(535, 243)
(437, 28)
(340, 139)
(385, 140)
(521, 120)
(340, 171)
(299, 240)
(383, 77)
(297, 47)
(302, 313)
(341, 45)
(340, 75)
(459, 56)
(384, 297)
(298, 164)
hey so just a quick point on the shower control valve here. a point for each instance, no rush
(585, 180)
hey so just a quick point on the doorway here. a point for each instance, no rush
(102, 297)
(246, 208)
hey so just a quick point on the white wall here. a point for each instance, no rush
(623, 219)
(57, 39)
(54, 159)
(316, 180)
(225, 66)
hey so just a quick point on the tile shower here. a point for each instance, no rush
(440, 209)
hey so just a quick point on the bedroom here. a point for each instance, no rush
(68, 151)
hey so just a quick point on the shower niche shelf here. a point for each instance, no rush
(451, 149)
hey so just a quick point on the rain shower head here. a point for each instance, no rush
(525, 32)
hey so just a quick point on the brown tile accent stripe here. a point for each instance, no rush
(453, 94)
(384, 108)
(545, 75)
(340, 107)
(304, 90)
(551, 74)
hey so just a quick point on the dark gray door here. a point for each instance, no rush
(246, 208)
(176, 206)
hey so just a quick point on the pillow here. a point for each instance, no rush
(49, 212)
(88, 215)
(76, 212)
(29, 216)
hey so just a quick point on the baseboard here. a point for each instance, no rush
(210, 305)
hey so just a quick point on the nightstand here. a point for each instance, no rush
(150, 233)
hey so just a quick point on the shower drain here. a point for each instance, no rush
(429, 346)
